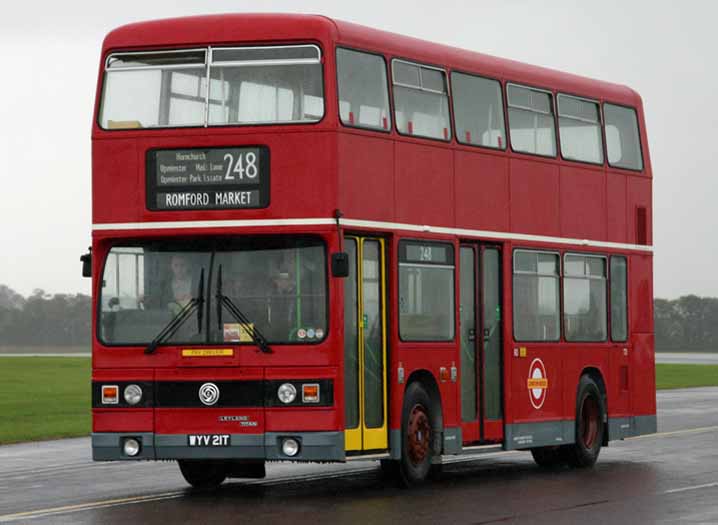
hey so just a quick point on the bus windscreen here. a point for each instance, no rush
(279, 285)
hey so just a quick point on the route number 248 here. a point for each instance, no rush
(245, 167)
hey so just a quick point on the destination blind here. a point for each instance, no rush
(208, 178)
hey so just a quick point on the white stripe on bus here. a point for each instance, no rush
(359, 223)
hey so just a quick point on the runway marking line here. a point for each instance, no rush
(675, 432)
(694, 487)
(88, 506)
(41, 513)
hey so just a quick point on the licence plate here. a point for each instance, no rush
(208, 440)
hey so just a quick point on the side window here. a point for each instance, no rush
(536, 296)
(421, 101)
(363, 90)
(478, 110)
(426, 291)
(619, 299)
(579, 126)
(531, 123)
(584, 298)
(623, 142)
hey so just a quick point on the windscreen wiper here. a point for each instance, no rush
(174, 324)
(249, 327)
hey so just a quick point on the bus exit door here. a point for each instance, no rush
(365, 346)
(480, 329)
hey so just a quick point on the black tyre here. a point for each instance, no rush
(417, 435)
(389, 468)
(549, 457)
(590, 425)
(203, 474)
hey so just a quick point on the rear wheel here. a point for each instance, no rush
(590, 425)
(416, 436)
(203, 474)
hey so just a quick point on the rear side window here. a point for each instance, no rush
(363, 90)
(531, 121)
(584, 298)
(619, 299)
(478, 110)
(421, 100)
(623, 141)
(579, 126)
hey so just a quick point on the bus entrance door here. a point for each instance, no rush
(365, 346)
(480, 330)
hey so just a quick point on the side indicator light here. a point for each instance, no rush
(110, 394)
(310, 393)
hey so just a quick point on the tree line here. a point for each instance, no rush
(689, 323)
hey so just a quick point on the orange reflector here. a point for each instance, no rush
(110, 394)
(443, 374)
(310, 393)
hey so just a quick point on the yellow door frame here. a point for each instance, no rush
(363, 437)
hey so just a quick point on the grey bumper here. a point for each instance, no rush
(314, 446)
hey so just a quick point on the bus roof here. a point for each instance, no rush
(257, 28)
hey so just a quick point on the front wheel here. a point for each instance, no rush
(203, 474)
(590, 425)
(416, 436)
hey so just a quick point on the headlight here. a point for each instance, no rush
(131, 447)
(287, 393)
(290, 447)
(133, 394)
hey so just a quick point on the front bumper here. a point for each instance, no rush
(314, 446)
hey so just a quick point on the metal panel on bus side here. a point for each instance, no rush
(583, 202)
(535, 197)
(365, 169)
(482, 191)
(424, 176)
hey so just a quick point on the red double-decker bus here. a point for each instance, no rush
(316, 241)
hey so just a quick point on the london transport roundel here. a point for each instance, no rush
(537, 383)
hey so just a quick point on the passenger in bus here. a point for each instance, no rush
(282, 308)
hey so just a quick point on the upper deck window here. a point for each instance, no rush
(579, 124)
(363, 90)
(478, 110)
(252, 85)
(421, 100)
(531, 121)
(266, 85)
(623, 141)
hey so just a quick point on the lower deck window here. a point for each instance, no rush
(584, 298)
(536, 296)
(426, 292)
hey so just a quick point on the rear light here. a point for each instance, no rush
(310, 393)
(110, 394)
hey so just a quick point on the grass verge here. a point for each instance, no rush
(685, 376)
(44, 398)
(49, 397)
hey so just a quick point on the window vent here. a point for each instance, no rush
(641, 225)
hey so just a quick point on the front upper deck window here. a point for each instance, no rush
(251, 85)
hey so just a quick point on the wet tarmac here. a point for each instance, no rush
(688, 358)
(669, 477)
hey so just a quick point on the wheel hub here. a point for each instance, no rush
(589, 422)
(418, 434)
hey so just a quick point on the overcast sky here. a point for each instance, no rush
(665, 50)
